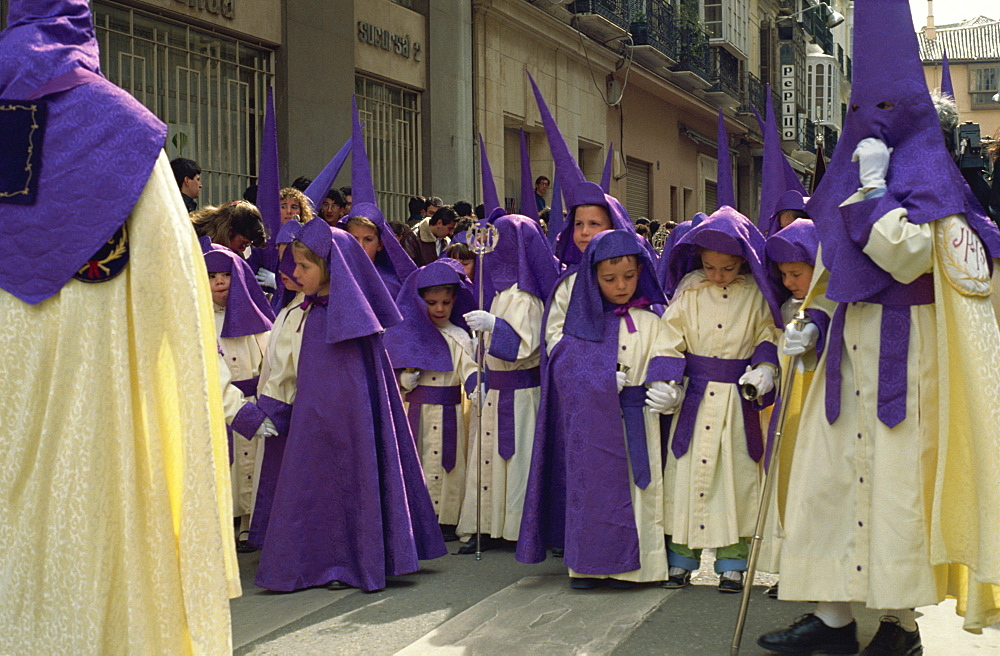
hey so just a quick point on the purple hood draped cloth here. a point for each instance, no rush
(247, 309)
(286, 265)
(392, 263)
(578, 191)
(667, 282)
(50, 85)
(528, 206)
(416, 341)
(579, 493)
(350, 503)
(777, 175)
(522, 256)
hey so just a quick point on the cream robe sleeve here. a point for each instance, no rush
(902, 249)
(283, 356)
(557, 312)
(523, 313)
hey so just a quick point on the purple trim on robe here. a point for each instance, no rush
(666, 368)
(633, 402)
(470, 383)
(579, 492)
(822, 321)
(267, 480)
(700, 371)
(248, 385)
(508, 382)
(505, 342)
(449, 398)
(765, 352)
(248, 420)
(229, 440)
(279, 412)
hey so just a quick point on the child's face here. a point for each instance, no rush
(721, 268)
(309, 275)
(588, 220)
(290, 209)
(219, 282)
(368, 238)
(439, 306)
(618, 281)
(796, 277)
(469, 266)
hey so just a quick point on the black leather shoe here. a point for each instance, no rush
(731, 586)
(808, 635)
(892, 640)
(582, 584)
(772, 592)
(470, 547)
(677, 582)
(448, 532)
(337, 584)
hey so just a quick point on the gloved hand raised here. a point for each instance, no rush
(872, 156)
(761, 377)
(266, 278)
(480, 320)
(798, 341)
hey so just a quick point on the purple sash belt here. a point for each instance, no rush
(507, 382)
(633, 400)
(450, 397)
(893, 348)
(248, 385)
(700, 371)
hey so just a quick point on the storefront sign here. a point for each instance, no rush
(224, 8)
(396, 43)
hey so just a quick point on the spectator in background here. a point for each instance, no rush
(188, 176)
(301, 183)
(347, 198)
(642, 230)
(334, 206)
(235, 225)
(429, 238)
(433, 204)
(480, 212)
(398, 229)
(463, 209)
(250, 195)
(541, 187)
(416, 208)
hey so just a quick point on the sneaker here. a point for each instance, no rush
(892, 640)
(809, 635)
(731, 581)
(677, 578)
(772, 592)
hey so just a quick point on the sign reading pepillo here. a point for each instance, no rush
(389, 41)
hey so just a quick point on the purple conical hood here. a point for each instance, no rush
(359, 303)
(669, 279)
(362, 186)
(889, 101)
(416, 341)
(528, 206)
(777, 175)
(492, 207)
(49, 52)
(318, 188)
(567, 170)
(247, 309)
(606, 174)
(268, 178)
(556, 221)
(796, 242)
(725, 194)
(946, 87)
(726, 231)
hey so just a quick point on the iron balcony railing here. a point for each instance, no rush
(814, 22)
(615, 11)
(752, 95)
(830, 137)
(807, 134)
(655, 27)
(693, 52)
(725, 73)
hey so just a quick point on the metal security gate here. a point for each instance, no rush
(210, 90)
(391, 116)
(637, 189)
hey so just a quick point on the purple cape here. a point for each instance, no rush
(579, 493)
(350, 502)
(49, 52)
(726, 231)
(891, 103)
(797, 242)
(416, 341)
(522, 256)
(247, 309)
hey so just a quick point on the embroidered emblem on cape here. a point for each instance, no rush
(108, 261)
(962, 257)
(22, 124)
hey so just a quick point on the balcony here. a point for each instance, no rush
(830, 136)
(601, 20)
(654, 36)
(807, 134)
(725, 89)
(694, 56)
(752, 95)
(848, 69)
(814, 23)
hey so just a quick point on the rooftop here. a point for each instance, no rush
(975, 39)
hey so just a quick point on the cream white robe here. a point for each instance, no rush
(115, 511)
(447, 488)
(712, 491)
(505, 482)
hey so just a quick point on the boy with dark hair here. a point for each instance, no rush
(334, 206)
(416, 208)
(188, 176)
(463, 209)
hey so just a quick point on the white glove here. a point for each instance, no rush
(664, 397)
(621, 378)
(480, 320)
(797, 341)
(408, 380)
(266, 428)
(474, 397)
(872, 157)
(266, 278)
(762, 378)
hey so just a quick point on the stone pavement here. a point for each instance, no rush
(459, 607)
